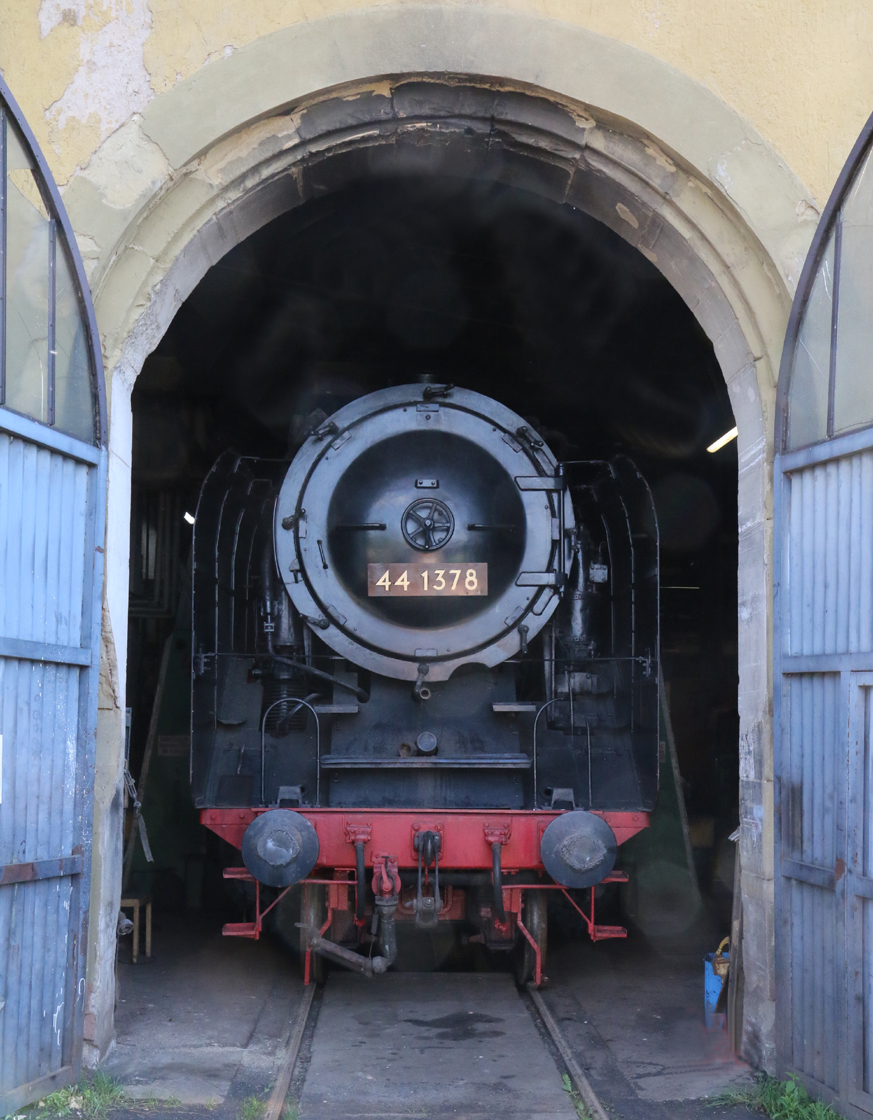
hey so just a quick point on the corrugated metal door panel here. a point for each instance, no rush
(43, 508)
(39, 714)
(859, 890)
(34, 1042)
(813, 747)
(812, 767)
(47, 523)
(814, 1023)
(38, 703)
(829, 558)
(862, 1048)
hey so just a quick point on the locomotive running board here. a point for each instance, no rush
(477, 762)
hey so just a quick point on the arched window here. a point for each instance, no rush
(48, 364)
(829, 387)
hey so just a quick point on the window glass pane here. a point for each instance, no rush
(853, 383)
(74, 409)
(810, 372)
(27, 285)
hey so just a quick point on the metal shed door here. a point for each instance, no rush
(52, 498)
(823, 642)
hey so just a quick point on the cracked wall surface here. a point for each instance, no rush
(797, 70)
(178, 128)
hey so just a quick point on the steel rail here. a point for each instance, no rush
(581, 1082)
(288, 1062)
(276, 1101)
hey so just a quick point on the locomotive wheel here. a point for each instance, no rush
(312, 914)
(536, 920)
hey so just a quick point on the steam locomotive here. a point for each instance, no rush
(424, 675)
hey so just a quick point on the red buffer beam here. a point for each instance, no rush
(463, 834)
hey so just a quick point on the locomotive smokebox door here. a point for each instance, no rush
(416, 531)
(279, 848)
(578, 849)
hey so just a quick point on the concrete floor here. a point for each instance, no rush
(207, 1021)
(632, 1012)
(430, 1045)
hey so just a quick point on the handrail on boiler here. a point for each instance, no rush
(555, 700)
(297, 705)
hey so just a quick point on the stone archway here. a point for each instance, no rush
(185, 217)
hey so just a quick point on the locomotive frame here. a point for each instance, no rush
(546, 757)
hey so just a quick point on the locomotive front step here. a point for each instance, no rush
(470, 762)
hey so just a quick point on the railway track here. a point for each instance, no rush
(428, 1045)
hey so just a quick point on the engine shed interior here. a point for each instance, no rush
(400, 280)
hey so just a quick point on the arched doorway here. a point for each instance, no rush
(528, 138)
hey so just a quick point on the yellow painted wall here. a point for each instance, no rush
(799, 71)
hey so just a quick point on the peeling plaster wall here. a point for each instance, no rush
(106, 851)
(111, 82)
(797, 70)
(160, 116)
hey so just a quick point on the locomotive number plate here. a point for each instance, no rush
(426, 579)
